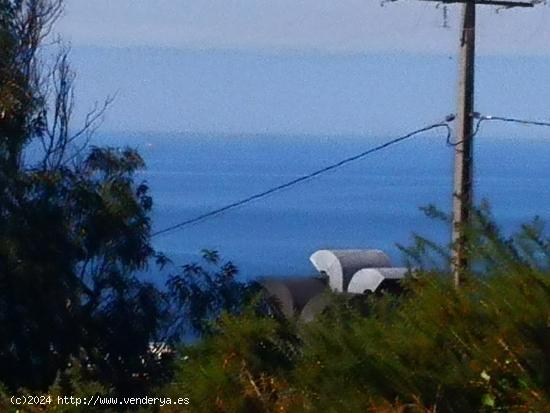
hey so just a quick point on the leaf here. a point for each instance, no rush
(488, 400)
(485, 376)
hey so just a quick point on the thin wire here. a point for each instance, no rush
(307, 177)
(484, 118)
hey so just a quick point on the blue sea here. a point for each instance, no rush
(372, 203)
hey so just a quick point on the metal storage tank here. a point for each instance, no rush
(291, 295)
(341, 265)
(372, 279)
(314, 307)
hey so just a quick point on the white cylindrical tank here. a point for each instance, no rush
(370, 279)
(340, 265)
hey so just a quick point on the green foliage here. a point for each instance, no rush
(74, 226)
(482, 348)
(456, 350)
(241, 368)
(201, 292)
(75, 231)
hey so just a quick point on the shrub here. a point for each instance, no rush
(480, 348)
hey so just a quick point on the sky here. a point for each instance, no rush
(298, 66)
(326, 26)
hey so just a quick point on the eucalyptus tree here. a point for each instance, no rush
(74, 222)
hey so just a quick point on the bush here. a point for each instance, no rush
(241, 368)
(481, 348)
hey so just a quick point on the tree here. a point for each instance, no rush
(74, 224)
(199, 294)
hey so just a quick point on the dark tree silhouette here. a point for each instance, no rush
(74, 224)
(200, 293)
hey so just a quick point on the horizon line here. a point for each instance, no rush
(312, 52)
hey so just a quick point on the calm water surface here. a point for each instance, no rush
(373, 203)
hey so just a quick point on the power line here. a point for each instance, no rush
(485, 118)
(443, 124)
(489, 118)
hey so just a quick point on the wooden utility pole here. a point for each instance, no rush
(464, 154)
(464, 149)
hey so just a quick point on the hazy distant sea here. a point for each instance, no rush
(373, 203)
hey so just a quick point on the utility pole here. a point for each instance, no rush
(464, 154)
(464, 149)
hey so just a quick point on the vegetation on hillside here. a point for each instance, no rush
(75, 318)
(482, 348)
